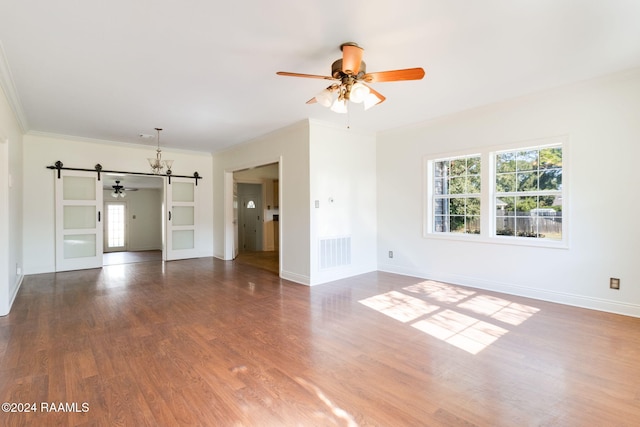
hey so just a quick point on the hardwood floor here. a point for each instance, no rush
(267, 260)
(209, 342)
(129, 257)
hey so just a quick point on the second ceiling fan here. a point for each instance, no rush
(350, 74)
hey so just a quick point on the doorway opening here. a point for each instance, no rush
(133, 224)
(256, 217)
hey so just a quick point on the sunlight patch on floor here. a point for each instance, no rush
(471, 332)
(440, 291)
(499, 309)
(399, 306)
(462, 331)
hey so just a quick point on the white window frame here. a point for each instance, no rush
(488, 195)
(432, 196)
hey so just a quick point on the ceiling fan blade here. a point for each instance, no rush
(351, 58)
(309, 76)
(312, 100)
(368, 103)
(395, 75)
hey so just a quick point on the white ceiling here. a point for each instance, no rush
(205, 70)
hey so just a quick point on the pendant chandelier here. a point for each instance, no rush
(118, 190)
(158, 165)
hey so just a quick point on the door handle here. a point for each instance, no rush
(98, 216)
(169, 215)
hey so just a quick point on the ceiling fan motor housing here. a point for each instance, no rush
(337, 73)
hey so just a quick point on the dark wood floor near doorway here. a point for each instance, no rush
(266, 260)
(209, 342)
(130, 257)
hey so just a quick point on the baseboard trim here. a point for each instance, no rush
(15, 293)
(294, 277)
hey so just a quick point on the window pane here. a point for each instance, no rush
(473, 206)
(439, 169)
(525, 204)
(551, 158)
(505, 162)
(551, 179)
(505, 226)
(527, 181)
(456, 185)
(440, 207)
(473, 165)
(438, 186)
(506, 182)
(527, 160)
(439, 224)
(457, 206)
(473, 224)
(457, 224)
(524, 228)
(505, 206)
(458, 167)
(473, 184)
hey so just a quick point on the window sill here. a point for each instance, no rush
(499, 240)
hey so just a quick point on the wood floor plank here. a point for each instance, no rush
(209, 342)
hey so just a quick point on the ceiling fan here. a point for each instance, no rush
(350, 74)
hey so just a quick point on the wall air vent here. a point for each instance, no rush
(335, 252)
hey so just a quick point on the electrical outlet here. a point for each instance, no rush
(614, 283)
(390, 254)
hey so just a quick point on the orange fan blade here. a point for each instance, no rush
(309, 76)
(351, 58)
(369, 104)
(395, 75)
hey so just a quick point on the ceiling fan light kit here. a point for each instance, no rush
(351, 73)
(118, 190)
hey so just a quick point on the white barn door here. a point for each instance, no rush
(181, 197)
(78, 221)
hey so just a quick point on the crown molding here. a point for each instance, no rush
(63, 137)
(10, 91)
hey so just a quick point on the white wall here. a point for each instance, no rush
(144, 218)
(42, 151)
(343, 181)
(11, 184)
(601, 119)
(317, 162)
(290, 147)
